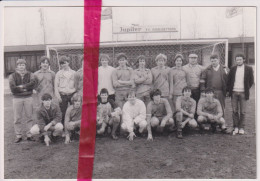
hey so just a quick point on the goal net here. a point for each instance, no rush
(203, 48)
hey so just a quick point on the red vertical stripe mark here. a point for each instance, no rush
(92, 13)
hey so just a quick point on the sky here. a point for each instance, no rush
(63, 25)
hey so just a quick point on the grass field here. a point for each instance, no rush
(196, 156)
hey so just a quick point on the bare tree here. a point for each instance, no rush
(66, 30)
(195, 24)
(42, 22)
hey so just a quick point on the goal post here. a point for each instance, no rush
(203, 48)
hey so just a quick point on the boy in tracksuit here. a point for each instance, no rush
(45, 78)
(21, 83)
(143, 80)
(122, 79)
(108, 114)
(185, 107)
(159, 113)
(161, 76)
(209, 110)
(73, 117)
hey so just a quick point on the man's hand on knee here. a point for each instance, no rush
(131, 136)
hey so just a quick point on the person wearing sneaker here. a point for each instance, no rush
(240, 80)
(134, 115)
(185, 110)
(159, 113)
(48, 119)
(210, 111)
(21, 84)
(73, 117)
(108, 114)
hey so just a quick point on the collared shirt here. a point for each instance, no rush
(186, 103)
(45, 82)
(161, 79)
(177, 81)
(193, 74)
(145, 86)
(123, 74)
(216, 68)
(159, 110)
(105, 79)
(206, 106)
(79, 80)
(64, 81)
(239, 79)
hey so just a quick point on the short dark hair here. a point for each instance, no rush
(121, 55)
(104, 56)
(155, 92)
(46, 97)
(214, 56)
(43, 58)
(64, 59)
(209, 90)
(178, 56)
(240, 55)
(104, 91)
(187, 88)
(76, 97)
(141, 57)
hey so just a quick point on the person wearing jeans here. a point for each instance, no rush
(21, 83)
(240, 80)
(64, 85)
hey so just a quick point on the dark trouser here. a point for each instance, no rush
(195, 94)
(64, 104)
(238, 102)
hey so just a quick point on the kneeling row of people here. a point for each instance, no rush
(158, 116)
(135, 115)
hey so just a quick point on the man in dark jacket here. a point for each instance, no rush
(48, 119)
(240, 80)
(21, 83)
(215, 77)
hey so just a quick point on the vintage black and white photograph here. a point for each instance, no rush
(176, 93)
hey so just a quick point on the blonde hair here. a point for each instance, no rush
(161, 56)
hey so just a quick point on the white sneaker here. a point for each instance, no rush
(241, 131)
(235, 131)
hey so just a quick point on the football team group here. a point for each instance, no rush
(131, 102)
